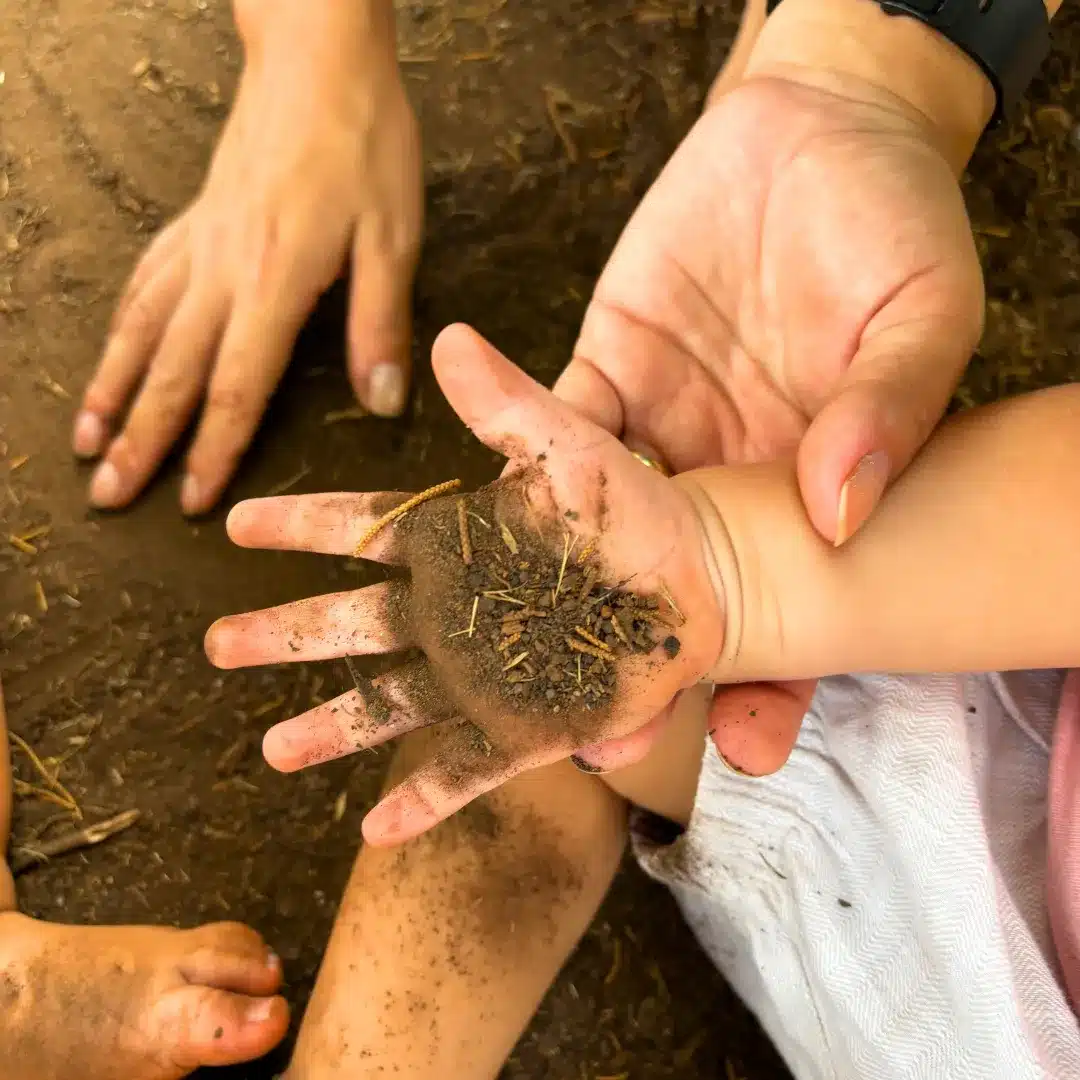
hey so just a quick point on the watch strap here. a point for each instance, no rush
(1008, 39)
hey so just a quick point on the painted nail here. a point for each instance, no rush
(88, 439)
(583, 765)
(860, 494)
(105, 486)
(189, 495)
(386, 390)
(260, 1010)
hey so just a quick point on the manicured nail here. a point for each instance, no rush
(189, 495)
(105, 486)
(88, 439)
(259, 1011)
(583, 765)
(860, 494)
(386, 390)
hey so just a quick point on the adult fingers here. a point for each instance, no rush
(380, 323)
(892, 397)
(168, 242)
(136, 333)
(754, 725)
(391, 705)
(255, 351)
(361, 622)
(165, 403)
(584, 387)
(328, 524)
(506, 409)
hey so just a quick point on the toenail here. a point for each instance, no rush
(260, 1010)
(105, 486)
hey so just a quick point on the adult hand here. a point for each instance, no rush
(801, 279)
(319, 166)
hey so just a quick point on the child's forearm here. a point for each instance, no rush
(444, 947)
(971, 563)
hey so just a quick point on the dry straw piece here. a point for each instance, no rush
(404, 508)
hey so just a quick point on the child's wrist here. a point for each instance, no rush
(722, 563)
(771, 571)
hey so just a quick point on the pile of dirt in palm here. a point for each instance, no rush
(536, 623)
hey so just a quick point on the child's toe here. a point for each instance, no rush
(201, 1025)
(229, 956)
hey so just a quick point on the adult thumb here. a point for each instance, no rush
(893, 395)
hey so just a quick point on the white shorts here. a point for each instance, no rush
(880, 902)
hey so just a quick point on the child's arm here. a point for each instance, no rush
(444, 947)
(971, 563)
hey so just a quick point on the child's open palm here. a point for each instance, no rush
(563, 606)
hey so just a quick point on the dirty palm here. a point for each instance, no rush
(562, 606)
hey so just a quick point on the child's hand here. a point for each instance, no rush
(565, 605)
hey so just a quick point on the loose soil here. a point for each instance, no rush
(543, 126)
(524, 625)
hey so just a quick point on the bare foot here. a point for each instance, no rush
(133, 1003)
(127, 1002)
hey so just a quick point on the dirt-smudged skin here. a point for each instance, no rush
(502, 868)
(482, 891)
(131, 1003)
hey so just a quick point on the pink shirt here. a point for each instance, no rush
(1063, 866)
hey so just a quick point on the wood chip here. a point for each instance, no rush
(86, 837)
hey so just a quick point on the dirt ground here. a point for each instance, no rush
(108, 114)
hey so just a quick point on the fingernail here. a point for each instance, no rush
(860, 494)
(105, 486)
(273, 961)
(386, 390)
(583, 765)
(189, 495)
(732, 768)
(88, 439)
(260, 1010)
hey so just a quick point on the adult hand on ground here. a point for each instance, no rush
(318, 168)
(800, 280)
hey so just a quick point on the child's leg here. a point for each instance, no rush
(443, 948)
(126, 1003)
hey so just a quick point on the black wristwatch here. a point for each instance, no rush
(1008, 39)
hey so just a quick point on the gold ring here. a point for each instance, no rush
(652, 463)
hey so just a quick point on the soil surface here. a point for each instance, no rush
(108, 114)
